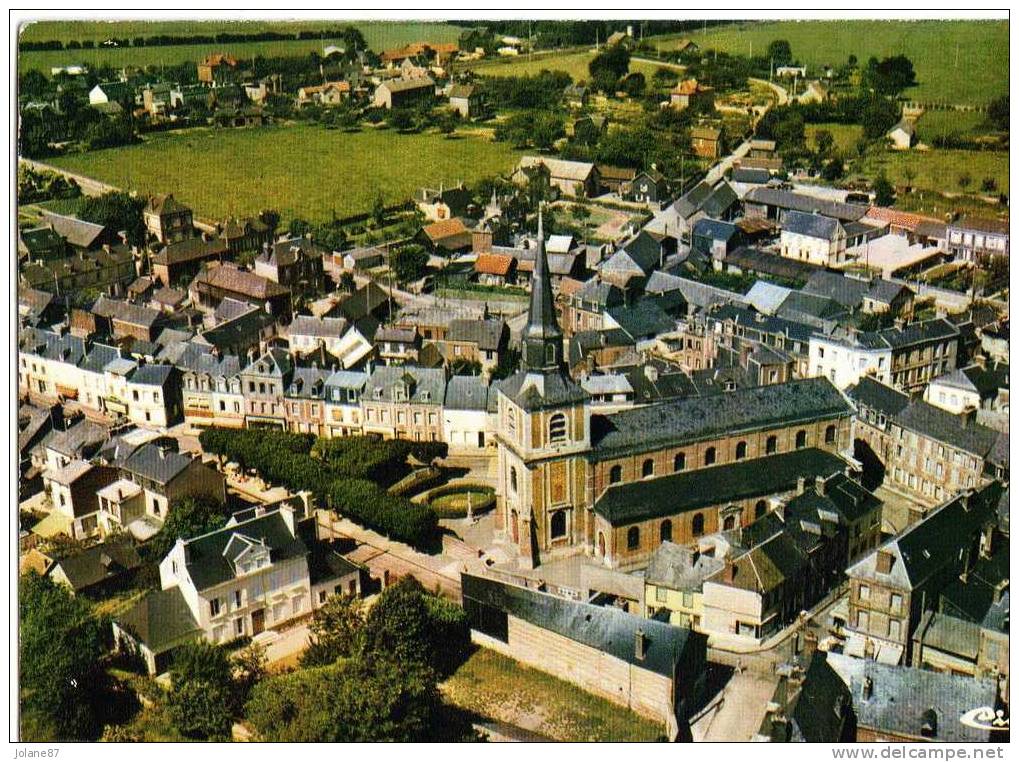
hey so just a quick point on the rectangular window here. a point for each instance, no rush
(896, 602)
(214, 607)
(864, 593)
(239, 626)
(237, 598)
(862, 620)
(661, 594)
(894, 629)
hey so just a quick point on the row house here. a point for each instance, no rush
(972, 238)
(305, 401)
(480, 341)
(922, 450)
(264, 381)
(907, 356)
(211, 388)
(891, 587)
(404, 402)
(110, 270)
(343, 390)
(348, 342)
(58, 367)
(128, 320)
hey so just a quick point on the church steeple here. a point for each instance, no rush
(542, 338)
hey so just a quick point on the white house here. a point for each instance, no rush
(465, 414)
(846, 360)
(813, 238)
(902, 135)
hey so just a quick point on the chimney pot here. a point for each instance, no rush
(868, 688)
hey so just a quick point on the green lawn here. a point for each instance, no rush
(575, 64)
(302, 171)
(379, 36)
(940, 170)
(499, 688)
(845, 135)
(979, 74)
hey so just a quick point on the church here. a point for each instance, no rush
(615, 486)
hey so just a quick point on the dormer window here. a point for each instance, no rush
(377, 392)
(426, 396)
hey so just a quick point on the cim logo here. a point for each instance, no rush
(985, 718)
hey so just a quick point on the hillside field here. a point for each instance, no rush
(378, 34)
(573, 63)
(955, 61)
(302, 171)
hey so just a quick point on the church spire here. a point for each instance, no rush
(542, 339)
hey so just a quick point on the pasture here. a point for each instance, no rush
(955, 61)
(302, 171)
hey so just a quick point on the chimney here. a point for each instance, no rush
(967, 416)
(730, 571)
(868, 688)
(819, 483)
(884, 561)
(639, 644)
(801, 485)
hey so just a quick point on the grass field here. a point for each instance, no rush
(845, 135)
(940, 170)
(574, 64)
(301, 171)
(933, 124)
(955, 61)
(500, 688)
(378, 35)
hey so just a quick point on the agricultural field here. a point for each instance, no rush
(940, 170)
(845, 136)
(573, 63)
(301, 171)
(379, 36)
(955, 61)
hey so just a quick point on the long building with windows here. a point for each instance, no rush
(616, 486)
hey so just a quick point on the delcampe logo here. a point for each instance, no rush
(985, 718)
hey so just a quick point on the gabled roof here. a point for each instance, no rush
(800, 202)
(97, 564)
(403, 85)
(428, 385)
(558, 168)
(165, 204)
(126, 312)
(205, 556)
(848, 292)
(466, 393)
(810, 225)
(189, 250)
(161, 620)
(159, 464)
(493, 264)
(698, 419)
(685, 491)
(84, 235)
(488, 334)
(230, 278)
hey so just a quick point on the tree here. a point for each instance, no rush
(546, 129)
(336, 631)
(299, 228)
(998, 113)
(464, 367)
(780, 52)
(610, 65)
(634, 84)
(118, 211)
(824, 142)
(409, 262)
(890, 76)
(249, 669)
(200, 702)
(60, 646)
(188, 517)
(989, 185)
(909, 174)
(401, 119)
(353, 700)
(379, 210)
(884, 193)
(833, 169)
(878, 115)
(964, 180)
(347, 283)
(446, 122)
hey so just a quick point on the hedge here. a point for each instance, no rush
(340, 472)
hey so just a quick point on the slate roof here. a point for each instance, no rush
(159, 464)
(487, 334)
(940, 425)
(802, 305)
(161, 620)
(98, 564)
(841, 496)
(189, 250)
(78, 233)
(698, 419)
(819, 711)
(678, 567)
(767, 297)
(751, 176)
(466, 393)
(604, 628)
(535, 391)
(720, 201)
(716, 230)
(810, 225)
(414, 83)
(800, 202)
(848, 292)
(643, 319)
(900, 697)
(598, 293)
(766, 566)
(691, 202)
(950, 635)
(429, 384)
(924, 548)
(626, 503)
(126, 312)
(307, 325)
(153, 374)
(208, 566)
(165, 203)
(240, 281)
(308, 383)
(284, 253)
(79, 439)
